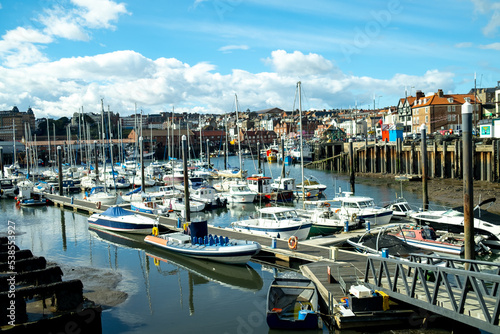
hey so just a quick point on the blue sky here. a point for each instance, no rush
(59, 56)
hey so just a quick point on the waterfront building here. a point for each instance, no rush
(17, 119)
(442, 111)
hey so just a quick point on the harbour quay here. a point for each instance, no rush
(403, 157)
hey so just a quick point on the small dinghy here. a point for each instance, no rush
(197, 243)
(292, 303)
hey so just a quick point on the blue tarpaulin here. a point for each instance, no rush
(116, 211)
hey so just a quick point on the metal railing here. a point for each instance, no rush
(464, 290)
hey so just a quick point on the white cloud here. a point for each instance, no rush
(124, 78)
(297, 63)
(228, 48)
(489, 8)
(14, 38)
(492, 46)
(99, 13)
(21, 45)
(463, 45)
(61, 23)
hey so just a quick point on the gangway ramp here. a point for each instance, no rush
(463, 290)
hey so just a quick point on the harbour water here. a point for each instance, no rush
(164, 293)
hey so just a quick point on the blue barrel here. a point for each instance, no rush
(71, 200)
(346, 226)
(367, 225)
(385, 252)
(178, 223)
(273, 243)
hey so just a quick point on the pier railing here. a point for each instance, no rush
(463, 290)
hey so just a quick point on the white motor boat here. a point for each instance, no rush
(327, 220)
(364, 207)
(278, 222)
(99, 196)
(118, 219)
(178, 204)
(240, 193)
(452, 220)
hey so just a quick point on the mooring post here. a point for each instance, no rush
(469, 253)
(187, 208)
(351, 165)
(443, 162)
(59, 170)
(423, 158)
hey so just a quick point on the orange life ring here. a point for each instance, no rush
(326, 204)
(98, 205)
(292, 242)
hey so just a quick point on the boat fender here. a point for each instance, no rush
(292, 242)
(337, 210)
(157, 262)
(327, 205)
(98, 205)
(308, 194)
(121, 193)
(155, 231)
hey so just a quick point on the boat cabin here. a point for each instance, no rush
(259, 184)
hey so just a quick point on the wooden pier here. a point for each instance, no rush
(444, 158)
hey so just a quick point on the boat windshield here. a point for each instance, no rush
(366, 204)
(427, 233)
(286, 215)
(453, 213)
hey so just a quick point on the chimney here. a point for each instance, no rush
(419, 94)
(440, 92)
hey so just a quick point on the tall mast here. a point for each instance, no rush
(48, 138)
(110, 138)
(301, 155)
(201, 141)
(238, 132)
(14, 155)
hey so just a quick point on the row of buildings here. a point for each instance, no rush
(438, 111)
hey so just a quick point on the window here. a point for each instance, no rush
(449, 108)
(453, 108)
(426, 119)
(449, 118)
(426, 110)
(454, 118)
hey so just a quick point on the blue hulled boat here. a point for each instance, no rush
(118, 219)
